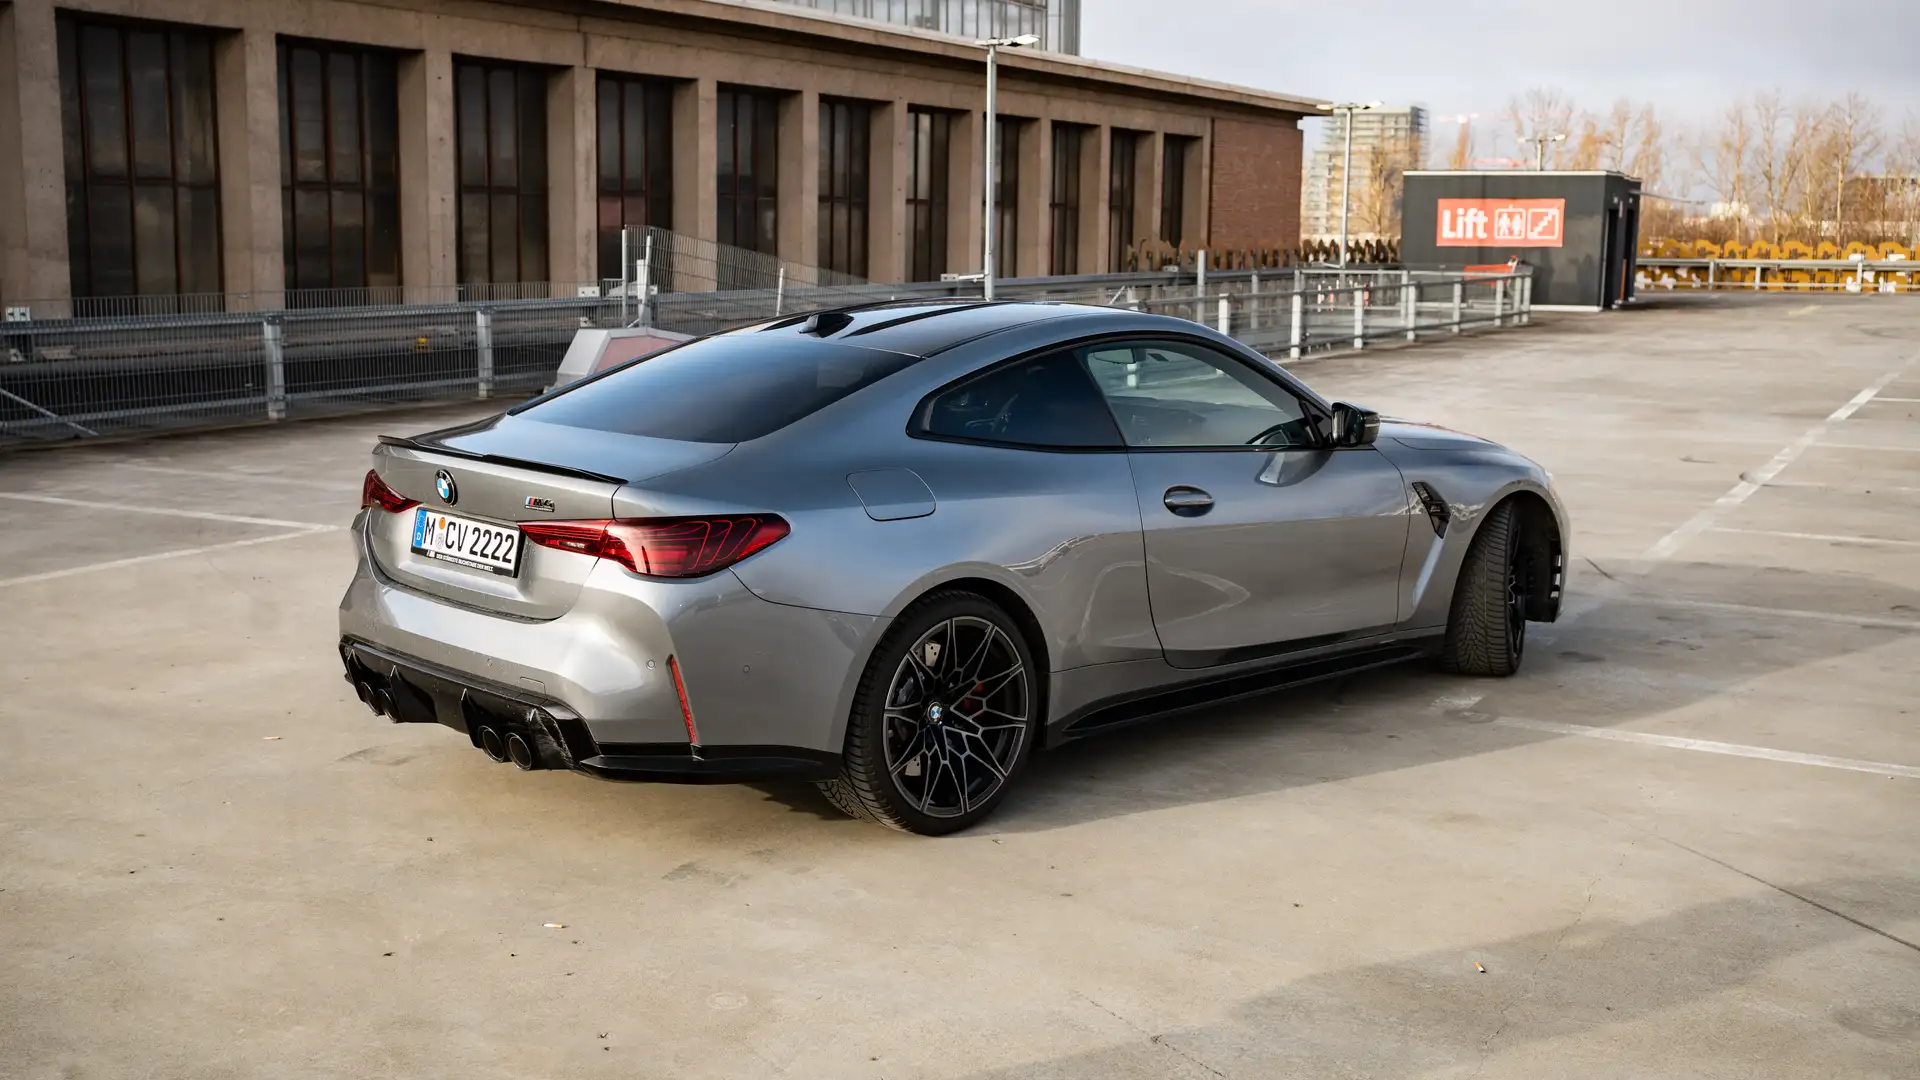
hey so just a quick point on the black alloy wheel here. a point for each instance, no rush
(945, 717)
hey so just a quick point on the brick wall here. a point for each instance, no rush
(1256, 184)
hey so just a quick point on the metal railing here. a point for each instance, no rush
(230, 362)
(1802, 275)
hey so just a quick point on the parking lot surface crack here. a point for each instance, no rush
(1155, 1040)
(1807, 900)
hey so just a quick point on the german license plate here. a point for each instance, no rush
(494, 548)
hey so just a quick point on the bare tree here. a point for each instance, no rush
(1589, 144)
(1852, 137)
(1722, 159)
(1461, 156)
(1647, 156)
(1902, 211)
(1541, 113)
(1378, 203)
(1786, 139)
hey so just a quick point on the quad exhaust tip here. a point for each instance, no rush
(520, 752)
(492, 745)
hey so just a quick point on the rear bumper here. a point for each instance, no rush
(767, 684)
(409, 690)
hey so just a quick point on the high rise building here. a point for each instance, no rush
(1385, 143)
(1055, 22)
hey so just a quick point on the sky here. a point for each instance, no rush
(1691, 58)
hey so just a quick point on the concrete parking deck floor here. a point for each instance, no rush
(1684, 841)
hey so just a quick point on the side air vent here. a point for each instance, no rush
(1437, 512)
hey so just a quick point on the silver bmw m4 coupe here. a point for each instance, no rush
(900, 548)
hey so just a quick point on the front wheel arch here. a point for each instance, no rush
(1540, 538)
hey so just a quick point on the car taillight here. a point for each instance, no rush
(677, 547)
(375, 492)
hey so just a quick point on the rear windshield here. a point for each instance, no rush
(720, 389)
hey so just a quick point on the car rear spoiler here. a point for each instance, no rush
(420, 446)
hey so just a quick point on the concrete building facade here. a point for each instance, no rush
(182, 146)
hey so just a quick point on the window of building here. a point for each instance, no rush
(1173, 189)
(635, 147)
(749, 169)
(1006, 197)
(927, 134)
(1064, 202)
(142, 165)
(1120, 191)
(339, 167)
(845, 131)
(500, 139)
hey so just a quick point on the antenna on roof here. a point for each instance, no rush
(826, 323)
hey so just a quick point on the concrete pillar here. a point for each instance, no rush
(966, 192)
(887, 173)
(1036, 192)
(1147, 152)
(572, 179)
(1197, 213)
(1096, 151)
(429, 177)
(33, 182)
(696, 194)
(246, 98)
(799, 239)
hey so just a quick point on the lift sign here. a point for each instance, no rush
(1502, 222)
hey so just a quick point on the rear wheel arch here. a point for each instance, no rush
(1007, 600)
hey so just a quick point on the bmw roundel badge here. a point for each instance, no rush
(443, 487)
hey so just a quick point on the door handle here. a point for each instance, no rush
(1187, 501)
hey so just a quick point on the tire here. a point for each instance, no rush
(925, 752)
(1487, 626)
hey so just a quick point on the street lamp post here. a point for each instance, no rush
(993, 47)
(1540, 142)
(1346, 168)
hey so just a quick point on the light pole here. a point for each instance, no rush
(1540, 142)
(1346, 168)
(993, 47)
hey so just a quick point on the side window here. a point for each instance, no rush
(1178, 394)
(1047, 401)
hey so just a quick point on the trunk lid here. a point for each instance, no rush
(505, 471)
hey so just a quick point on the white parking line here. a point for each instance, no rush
(1754, 481)
(1831, 538)
(1707, 746)
(1870, 447)
(1845, 489)
(226, 474)
(114, 564)
(1877, 622)
(165, 511)
(1901, 400)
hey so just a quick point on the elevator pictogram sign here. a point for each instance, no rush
(1502, 223)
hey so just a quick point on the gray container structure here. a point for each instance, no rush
(1578, 230)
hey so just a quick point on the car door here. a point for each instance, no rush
(1260, 538)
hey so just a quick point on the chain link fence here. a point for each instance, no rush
(82, 369)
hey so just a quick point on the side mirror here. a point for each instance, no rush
(1354, 426)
